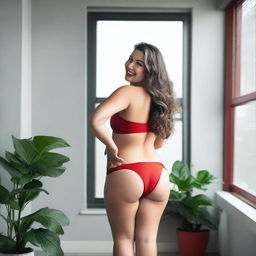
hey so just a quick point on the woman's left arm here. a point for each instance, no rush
(159, 142)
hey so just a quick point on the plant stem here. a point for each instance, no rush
(8, 228)
(18, 236)
(12, 217)
(18, 231)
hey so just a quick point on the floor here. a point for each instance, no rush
(91, 254)
(162, 254)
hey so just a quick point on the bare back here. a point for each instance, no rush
(137, 147)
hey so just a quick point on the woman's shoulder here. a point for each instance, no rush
(126, 87)
(129, 89)
(135, 94)
(122, 88)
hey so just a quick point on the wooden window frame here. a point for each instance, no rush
(93, 17)
(232, 97)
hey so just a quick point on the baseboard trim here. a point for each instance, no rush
(104, 247)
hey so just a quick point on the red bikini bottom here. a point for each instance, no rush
(149, 172)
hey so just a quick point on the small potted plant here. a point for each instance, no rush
(191, 210)
(30, 162)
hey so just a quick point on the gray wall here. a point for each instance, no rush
(10, 71)
(10, 79)
(237, 231)
(59, 101)
(15, 79)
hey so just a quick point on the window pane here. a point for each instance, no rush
(172, 149)
(115, 41)
(248, 47)
(171, 152)
(245, 147)
(100, 168)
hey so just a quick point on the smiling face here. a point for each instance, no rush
(135, 68)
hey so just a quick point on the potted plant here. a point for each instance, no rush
(192, 210)
(30, 162)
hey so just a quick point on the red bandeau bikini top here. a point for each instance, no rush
(122, 126)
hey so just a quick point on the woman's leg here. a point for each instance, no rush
(148, 217)
(122, 191)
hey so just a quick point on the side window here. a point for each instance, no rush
(110, 42)
(240, 101)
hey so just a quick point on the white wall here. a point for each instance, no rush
(59, 103)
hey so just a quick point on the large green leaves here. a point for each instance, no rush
(28, 149)
(53, 159)
(25, 149)
(181, 170)
(6, 243)
(47, 143)
(47, 240)
(43, 170)
(15, 162)
(195, 216)
(50, 164)
(30, 194)
(198, 201)
(30, 161)
(4, 195)
(208, 220)
(177, 196)
(24, 179)
(191, 210)
(33, 184)
(9, 168)
(183, 185)
(27, 195)
(24, 195)
(51, 219)
(182, 177)
(203, 178)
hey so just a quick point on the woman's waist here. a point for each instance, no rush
(138, 155)
(134, 141)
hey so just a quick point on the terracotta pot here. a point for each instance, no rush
(192, 243)
(29, 253)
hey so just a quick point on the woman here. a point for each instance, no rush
(137, 187)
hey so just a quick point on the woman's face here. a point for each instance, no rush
(135, 68)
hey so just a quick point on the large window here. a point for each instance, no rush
(240, 101)
(111, 37)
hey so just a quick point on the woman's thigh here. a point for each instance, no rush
(151, 208)
(122, 191)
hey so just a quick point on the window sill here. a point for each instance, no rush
(93, 212)
(229, 203)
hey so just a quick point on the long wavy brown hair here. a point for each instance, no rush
(158, 84)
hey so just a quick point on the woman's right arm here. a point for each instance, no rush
(117, 101)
